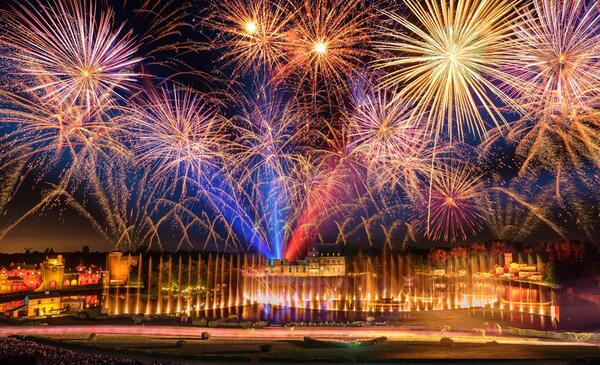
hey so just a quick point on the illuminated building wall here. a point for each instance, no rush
(48, 276)
(88, 276)
(53, 271)
(119, 267)
(19, 277)
(315, 264)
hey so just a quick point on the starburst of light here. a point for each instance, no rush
(455, 202)
(381, 129)
(448, 62)
(71, 49)
(329, 40)
(556, 78)
(178, 133)
(251, 34)
(49, 129)
(556, 70)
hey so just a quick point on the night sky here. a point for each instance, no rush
(63, 229)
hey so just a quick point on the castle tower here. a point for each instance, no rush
(53, 273)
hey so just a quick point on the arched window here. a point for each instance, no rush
(65, 283)
(74, 282)
(53, 284)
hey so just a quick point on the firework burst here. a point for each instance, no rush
(556, 78)
(71, 50)
(513, 215)
(329, 42)
(47, 128)
(387, 141)
(456, 211)
(178, 134)
(556, 70)
(127, 209)
(381, 129)
(269, 137)
(447, 64)
(271, 153)
(253, 34)
(560, 143)
(326, 144)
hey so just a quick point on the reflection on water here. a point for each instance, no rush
(519, 319)
(281, 315)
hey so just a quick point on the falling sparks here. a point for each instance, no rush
(177, 133)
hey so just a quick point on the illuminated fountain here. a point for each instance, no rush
(149, 287)
(389, 283)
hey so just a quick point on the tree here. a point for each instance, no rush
(438, 257)
(550, 272)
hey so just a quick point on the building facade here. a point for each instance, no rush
(316, 264)
(19, 277)
(45, 288)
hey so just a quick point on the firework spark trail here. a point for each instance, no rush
(126, 208)
(49, 130)
(382, 130)
(557, 69)
(324, 192)
(509, 221)
(537, 211)
(382, 142)
(307, 46)
(366, 224)
(235, 210)
(159, 38)
(73, 68)
(14, 173)
(252, 34)
(39, 206)
(556, 79)
(558, 143)
(388, 140)
(330, 42)
(272, 168)
(41, 133)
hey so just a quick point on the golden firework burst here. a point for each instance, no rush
(447, 64)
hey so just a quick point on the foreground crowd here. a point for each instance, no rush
(14, 351)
